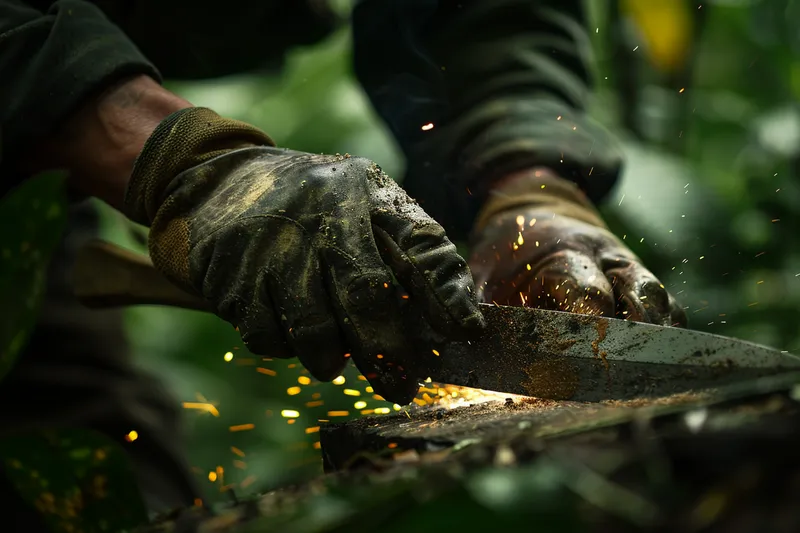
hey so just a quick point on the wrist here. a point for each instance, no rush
(541, 189)
(98, 144)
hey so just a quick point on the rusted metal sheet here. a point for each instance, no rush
(555, 355)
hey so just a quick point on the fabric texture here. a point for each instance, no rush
(500, 85)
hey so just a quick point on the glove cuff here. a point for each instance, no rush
(540, 189)
(181, 141)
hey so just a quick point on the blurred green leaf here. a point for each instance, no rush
(79, 480)
(32, 219)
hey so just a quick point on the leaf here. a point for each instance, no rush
(32, 218)
(79, 480)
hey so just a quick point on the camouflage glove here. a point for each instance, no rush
(291, 247)
(539, 242)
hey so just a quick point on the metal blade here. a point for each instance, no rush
(556, 355)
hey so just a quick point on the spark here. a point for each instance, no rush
(293, 391)
(520, 220)
(237, 451)
(682, 89)
(427, 127)
(290, 413)
(339, 380)
(228, 357)
(338, 413)
(520, 240)
(241, 427)
(266, 371)
(304, 380)
(352, 392)
(212, 476)
(202, 406)
(382, 410)
(361, 404)
(132, 436)
(317, 445)
(315, 403)
(435, 352)
(369, 390)
(532, 222)
(314, 429)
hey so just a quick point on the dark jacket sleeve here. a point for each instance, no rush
(50, 62)
(504, 83)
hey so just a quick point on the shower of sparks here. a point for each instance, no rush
(318, 401)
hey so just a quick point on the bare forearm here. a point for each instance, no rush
(99, 143)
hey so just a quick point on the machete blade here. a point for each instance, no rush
(560, 356)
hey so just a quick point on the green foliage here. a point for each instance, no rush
(32, 219)
(79, 481)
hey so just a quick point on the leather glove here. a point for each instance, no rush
(292, 248)
(539, 242)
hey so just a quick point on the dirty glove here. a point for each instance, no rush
(291, 247)
(539, 242)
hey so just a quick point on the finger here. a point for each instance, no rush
(370, 315)
(569, 281)
(677, 313)
(424, 260)
(307, 317)
(242, 298)
(640, 295)
(362, 287)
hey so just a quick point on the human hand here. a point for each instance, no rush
(540, 243)
(292, 248)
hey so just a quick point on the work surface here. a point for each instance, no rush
(718, 460)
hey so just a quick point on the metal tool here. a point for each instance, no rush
(531, 352)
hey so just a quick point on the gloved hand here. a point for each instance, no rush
(292, 248)
(539, 242)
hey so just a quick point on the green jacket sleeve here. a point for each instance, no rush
(50, 62)
(504, 84)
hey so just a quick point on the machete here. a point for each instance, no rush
(525, 351)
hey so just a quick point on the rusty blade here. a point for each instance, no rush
(556, 355)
